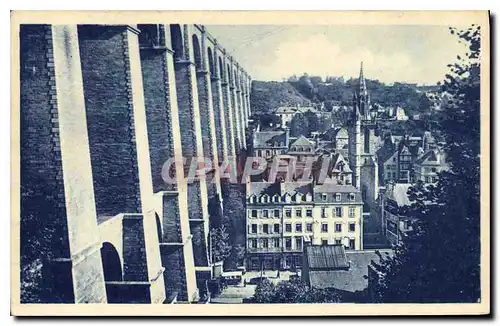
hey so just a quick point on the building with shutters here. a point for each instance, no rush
(283, 217)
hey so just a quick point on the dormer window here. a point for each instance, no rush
(276, 199)
(352, 197)
(338, 197)
(265, 199)
(324, 197)
(252, 199)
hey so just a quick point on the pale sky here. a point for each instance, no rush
(416, 54)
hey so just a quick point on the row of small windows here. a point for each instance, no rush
(296, 198)
(275, 243)
(266, 213)
(275, 228)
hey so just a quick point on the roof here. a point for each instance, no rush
(334, 133)
(269, 139)
(334, 188)
(353, 279)
(301, 141)
(286, 110)
(399, 193)
(280, 188)
(431, 157)
(326, 257)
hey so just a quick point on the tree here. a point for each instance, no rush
(294, 291)
(439, 260)
(221, 243)
(264, 292)
(238, 253)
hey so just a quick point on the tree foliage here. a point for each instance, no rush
(439, 260)
(221, 243)
(294, 291)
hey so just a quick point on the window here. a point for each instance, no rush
(254, 228)
(265, 213)
(324, 227)
(338, 241)
(394, 159)
(324, 197)
(352, 197)
(338, 227)
(253, 244)
(265, 228)
(298, 212)
(276, 213)
(324, 242)
(288, 243)
(276, 228)
(276, 243)
(309, 213)
(433, 170)
(434, 179)
(323, 212)
(254, 213)
(338, 211)
(352, 243)
(352, 212)
(288, 227)
(298, 227)
(352, 227)
(288, 213)
(265, 199)
(265, 243)
(428, 179)
(309, 227)
(338, 197)
(298, 243)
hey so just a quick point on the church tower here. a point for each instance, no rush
(360, 99)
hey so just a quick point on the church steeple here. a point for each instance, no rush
(361, 98)
(362, 82)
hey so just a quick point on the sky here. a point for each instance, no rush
(414, 54)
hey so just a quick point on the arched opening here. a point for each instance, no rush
(211, 67)
(177, 43)
(221, 70)
(111, 263)
(159, 228)
(151, 35)
(197, 52)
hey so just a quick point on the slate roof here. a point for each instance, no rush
(301, 141)
(334, 133)
(399, 193)
(334, 188)
(326, 257)
(431, 157)
(269, 139)
(280, 188)
(351, 280)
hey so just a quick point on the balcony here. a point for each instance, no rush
(264, 250)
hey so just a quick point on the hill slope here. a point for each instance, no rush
(267, 96)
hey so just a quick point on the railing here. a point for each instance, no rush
(264, 250)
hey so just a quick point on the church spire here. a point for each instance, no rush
(362, 82)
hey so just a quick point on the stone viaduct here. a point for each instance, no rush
(103, 107)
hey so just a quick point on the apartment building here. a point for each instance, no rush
(284, 217)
